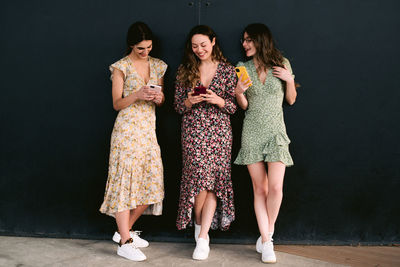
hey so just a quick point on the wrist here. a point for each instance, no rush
(238, 91)
(187, 103)
(221, 103)
(134, 97)
(290, 81)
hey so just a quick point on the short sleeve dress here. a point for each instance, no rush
(264, 135)
(135, 173)
(206, 136)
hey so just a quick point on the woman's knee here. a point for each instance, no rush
(276, 189)
(260, 190)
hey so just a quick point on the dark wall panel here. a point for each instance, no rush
(57, 116)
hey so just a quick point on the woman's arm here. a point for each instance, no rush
(241, 88)
(120, 102)
(291, 92)
(286, 75)
(180, 98)
(159, 97)
(242, 101)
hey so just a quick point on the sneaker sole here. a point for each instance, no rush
(127, 257)
(268, 261)
(199, 258)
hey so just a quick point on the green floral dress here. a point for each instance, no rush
(264, 135)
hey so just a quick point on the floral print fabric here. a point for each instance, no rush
(264, 135)
(135, 174)
(206, 149)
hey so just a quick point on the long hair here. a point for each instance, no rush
(188, 72)
(137, 32)
(267, 55)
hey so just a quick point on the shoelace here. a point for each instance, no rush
(137, 232)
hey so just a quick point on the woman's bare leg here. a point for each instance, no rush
(259, 179)
(276, 173)
(136, 213)
(198, 205)
(207, 214)
(122, 219)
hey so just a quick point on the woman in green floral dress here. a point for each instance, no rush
(264, 138)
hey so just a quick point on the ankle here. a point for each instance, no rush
(125, 241)
(266, 239)
(204, 236)
(122, 242)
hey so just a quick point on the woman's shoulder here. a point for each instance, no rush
(244, 63)
(158, 61)
(123, 62)
(228, 67)
(285, 61)
(122, 65)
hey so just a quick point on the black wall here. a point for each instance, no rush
(57, 117)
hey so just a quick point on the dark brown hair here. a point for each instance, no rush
(137, 32)
(188, 72)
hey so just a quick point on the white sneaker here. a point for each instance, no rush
(268, 254)
(139, 242)
(130, 251)
(259, 243)
(197, 228)
(202, 249)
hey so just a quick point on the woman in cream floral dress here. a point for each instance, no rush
(135, 176)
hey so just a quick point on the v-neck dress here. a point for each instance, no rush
(135, 173)
(264, 135)
(206, 136)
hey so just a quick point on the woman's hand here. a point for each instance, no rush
(213, 98)
(282, 73)
(285, 75)
(193, 99)
(145, 93)
(158, 98)
(242, 86)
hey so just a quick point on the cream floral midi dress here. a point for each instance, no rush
(135, 173)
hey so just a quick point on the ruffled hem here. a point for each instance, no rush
(221, 219)
(134, 178)
(276, 149)
(155, 208)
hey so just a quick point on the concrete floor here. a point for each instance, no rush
(30, 251)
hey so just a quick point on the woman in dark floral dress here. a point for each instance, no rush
(206, 186)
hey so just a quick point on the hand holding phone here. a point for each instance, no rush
(242, 72)
(154, 87)
(199, 90)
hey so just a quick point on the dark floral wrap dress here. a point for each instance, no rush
(206, 137)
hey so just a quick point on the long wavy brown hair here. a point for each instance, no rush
(188, 72)
(267, 55)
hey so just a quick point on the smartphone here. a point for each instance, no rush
(200, 90)
(155, 87)
(241, 71)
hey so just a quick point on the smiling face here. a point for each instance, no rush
(141, 50)
(248, 45)
(202, 47)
